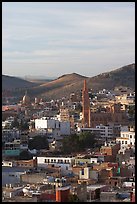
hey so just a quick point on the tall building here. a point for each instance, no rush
(86, 106)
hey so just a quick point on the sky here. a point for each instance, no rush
(51, 39)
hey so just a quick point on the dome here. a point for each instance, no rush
(26, 99)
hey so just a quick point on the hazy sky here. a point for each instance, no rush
(52, 39)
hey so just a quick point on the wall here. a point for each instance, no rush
(65, 128)
(32, 178)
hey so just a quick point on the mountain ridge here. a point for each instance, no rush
(68, 83)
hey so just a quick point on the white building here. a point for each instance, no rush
(64, 162)
(7, 122)
(126, 140)
(104, 132)
(55, 127)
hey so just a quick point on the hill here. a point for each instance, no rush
(11, 83)
(66, 84)
(61, 86)
(124, 76)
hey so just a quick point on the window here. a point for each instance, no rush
(122, 142)
(125, 142)
(68, 162)
(131, 143)
(82, 172)
(130, 136)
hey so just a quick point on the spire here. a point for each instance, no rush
(85, 85)
(86, 106)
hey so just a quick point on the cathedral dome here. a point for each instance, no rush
(26, 99)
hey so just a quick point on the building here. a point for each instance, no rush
(53, 127)
(106, 132)
(86, 106)
(126, 140)
(64, 114)
(85, 173)
(64, 162)
(62, 194)
(110, 149)
(8, 122)
(14, 148)
(94, 191)
(102, 132)
(113, 114)
(9, 134)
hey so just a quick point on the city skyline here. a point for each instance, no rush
(51, 39)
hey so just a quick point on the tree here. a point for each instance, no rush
(86, 140)
(70, 144)
(76, 143)
(73, 198)
(38, 142)
(25, 155)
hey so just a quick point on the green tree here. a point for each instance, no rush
(86, 140)
(38, 142)
(76, 143)
(25, 155)
(70, 144)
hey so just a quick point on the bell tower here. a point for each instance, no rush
(86, 106)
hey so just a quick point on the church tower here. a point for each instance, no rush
(86, 106)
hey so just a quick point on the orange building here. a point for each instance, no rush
(86, 106)
(62, 194)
